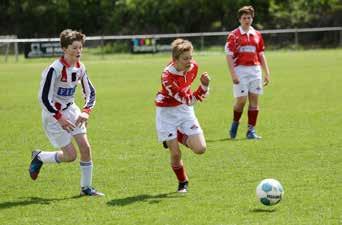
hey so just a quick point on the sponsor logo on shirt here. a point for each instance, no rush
(66, 91)
(247, 48)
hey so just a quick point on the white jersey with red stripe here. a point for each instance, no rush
(176, 87)
(58, 85)
(245, 47)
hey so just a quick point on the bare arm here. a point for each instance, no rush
(265, 68)
(233, 75)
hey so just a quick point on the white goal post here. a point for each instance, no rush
(5, 43)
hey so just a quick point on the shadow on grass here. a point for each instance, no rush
(218, 140)
(227, 139)
(32, 201)
(259, 210)
(151, 199)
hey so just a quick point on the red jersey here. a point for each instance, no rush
(176, 87)
(245, 47)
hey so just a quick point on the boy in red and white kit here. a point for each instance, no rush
(175, 117)
(62, 119)
(245, 58)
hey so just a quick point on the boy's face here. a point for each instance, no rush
(246, 20)
(73, 51)
(184, 61)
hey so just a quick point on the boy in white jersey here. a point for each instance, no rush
(62, 119)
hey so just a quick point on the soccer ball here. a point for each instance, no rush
(269, 192)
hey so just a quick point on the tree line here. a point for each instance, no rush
(46, 18)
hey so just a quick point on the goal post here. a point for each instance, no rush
(6, 41)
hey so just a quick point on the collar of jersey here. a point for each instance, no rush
(172, 69)
(250, 31)
(62, 60)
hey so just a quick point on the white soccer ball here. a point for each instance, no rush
(269, 192)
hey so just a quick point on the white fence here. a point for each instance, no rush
(295, 32)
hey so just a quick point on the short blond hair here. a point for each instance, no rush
(248, 9)
(179, 46)
(68, 36)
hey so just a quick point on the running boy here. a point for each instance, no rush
(62, 118)
(175, 117)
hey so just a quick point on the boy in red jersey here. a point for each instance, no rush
(175, 117)
(62, 118)
(245, 58)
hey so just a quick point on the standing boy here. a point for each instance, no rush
(245, 59)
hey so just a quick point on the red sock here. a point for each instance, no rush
(182, 138)
(237, 116)
(252, 116)
(180, 173)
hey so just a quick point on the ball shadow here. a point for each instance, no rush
(260, 210)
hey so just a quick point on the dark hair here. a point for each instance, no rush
(68, 36)
(248, 9)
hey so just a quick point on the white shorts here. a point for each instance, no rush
(250, 81)
(56, 134)
(171, 119)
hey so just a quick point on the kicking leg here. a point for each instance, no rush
(66, 154)
(197, 143)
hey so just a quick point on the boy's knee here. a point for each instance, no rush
(200, 149)
(71, 156)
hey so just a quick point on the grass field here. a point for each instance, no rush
(300, 121)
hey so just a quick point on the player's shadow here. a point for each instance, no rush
(32, 201)
(151, 199)
(259, 210)
(226, 139)
(218, 140)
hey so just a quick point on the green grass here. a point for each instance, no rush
(300, 121)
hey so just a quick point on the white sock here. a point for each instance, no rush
(86, 173)
(48, 157)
